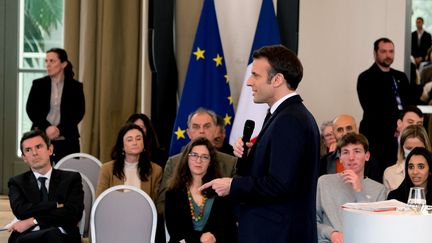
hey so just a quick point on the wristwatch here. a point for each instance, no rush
(35, 222)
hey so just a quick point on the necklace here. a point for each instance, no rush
(192, 208)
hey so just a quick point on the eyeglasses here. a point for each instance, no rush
(194, 157)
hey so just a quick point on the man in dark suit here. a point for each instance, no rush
(383, 93)
(48, 203)
(220, 142)
(275, 186)
(421, 41)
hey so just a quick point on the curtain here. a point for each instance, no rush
(102, 38)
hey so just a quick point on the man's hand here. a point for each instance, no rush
(336, 237)
(221, 186)
(207, 237)
(426, 91)
(350, 177)
(239, 149)
(333, 147)
(22, 225)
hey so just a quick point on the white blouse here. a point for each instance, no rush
(131, 174)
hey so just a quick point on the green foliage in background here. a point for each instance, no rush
(41, 18)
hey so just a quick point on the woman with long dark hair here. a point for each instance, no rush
(131, 164)
(192, 215)
(417, 174)
(156, 153)
(411, 137)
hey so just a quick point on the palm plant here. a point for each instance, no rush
(41, 18)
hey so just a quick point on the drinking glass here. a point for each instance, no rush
(416, 198)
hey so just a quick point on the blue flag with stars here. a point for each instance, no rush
(206, 83)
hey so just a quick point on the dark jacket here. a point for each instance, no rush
(376, 94)
(72, 107)
(64, 188)
(425, 44)
(276, 185)
(178, 218)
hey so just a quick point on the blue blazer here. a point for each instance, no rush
(276, 185)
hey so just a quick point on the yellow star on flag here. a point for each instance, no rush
(199, 53)
(227, 119)
(218, 60)
(230, 99)
(180, 133)
(226, 78)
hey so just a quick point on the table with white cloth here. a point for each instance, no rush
(382, 227)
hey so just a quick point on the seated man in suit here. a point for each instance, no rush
(48, 203)
(330, 163)
(350, 185)
(201, 123)
(219, 142)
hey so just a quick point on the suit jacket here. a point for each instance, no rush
(276, 185)
(72, 106)
(380, 109)
(107, 180)
(65, 187)
(221, 222)
(226, 163)
(425, 44)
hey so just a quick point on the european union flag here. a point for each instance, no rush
(206, 83)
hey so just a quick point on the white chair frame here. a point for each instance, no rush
(123, 187)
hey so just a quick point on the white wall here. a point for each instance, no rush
(335, 45)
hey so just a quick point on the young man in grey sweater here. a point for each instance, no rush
(334, 190)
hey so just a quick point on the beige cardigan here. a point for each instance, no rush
(107, 180)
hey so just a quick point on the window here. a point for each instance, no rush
(421, 8)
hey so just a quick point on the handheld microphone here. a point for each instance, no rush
(247, 133)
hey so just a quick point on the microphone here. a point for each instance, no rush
(247, 133)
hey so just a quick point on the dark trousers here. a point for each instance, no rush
(64, 147)
(51, 235)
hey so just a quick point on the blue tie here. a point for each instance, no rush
(267, 117)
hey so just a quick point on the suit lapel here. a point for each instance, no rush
(282, 106)
(32, 187)
(53, 184)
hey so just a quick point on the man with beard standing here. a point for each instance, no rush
(383, 93)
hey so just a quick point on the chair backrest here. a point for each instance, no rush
(84, 163)
(123, 214)
(89, 198)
